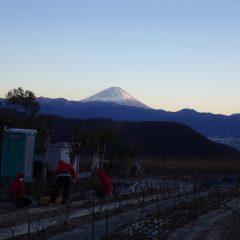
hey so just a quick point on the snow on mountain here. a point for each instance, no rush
(115, 95)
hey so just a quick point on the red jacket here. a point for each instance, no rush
(65, 168)
(17, 188)
(106, 183)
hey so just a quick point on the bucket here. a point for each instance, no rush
(58, 200)
(45, 200)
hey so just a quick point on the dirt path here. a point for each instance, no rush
(215, 225)
(206, 227)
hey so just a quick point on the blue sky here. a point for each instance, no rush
(169, 54)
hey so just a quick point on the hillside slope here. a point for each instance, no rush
(156, 139)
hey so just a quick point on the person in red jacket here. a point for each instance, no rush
(105, 187)
(64, 174)
(17, 190)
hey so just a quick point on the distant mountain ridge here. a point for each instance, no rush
(115, 104)
(206, 123)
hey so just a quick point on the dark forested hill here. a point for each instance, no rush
(156, 139)
(145, 138)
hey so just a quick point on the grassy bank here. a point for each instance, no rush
(180, 167)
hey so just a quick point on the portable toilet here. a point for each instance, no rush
(56, 152)
(18, 153)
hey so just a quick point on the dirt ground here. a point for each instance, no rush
(230, 228)
(218, 224)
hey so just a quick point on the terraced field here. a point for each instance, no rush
(142, 209)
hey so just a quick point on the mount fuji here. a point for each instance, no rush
(115, 95)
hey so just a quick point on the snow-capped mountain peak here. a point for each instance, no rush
(115, 95)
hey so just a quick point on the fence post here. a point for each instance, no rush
(194, 196)
(13, 226)
(29, 227)
(142, 202)
(219, 192)
(236, 192)
(106, 224)
(93, 212)
(67, 214)
(174, 193)
(158, 217)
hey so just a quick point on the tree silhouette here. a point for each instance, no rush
(23, 100)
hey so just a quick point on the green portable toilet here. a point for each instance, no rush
(18, 153)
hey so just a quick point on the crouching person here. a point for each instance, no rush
(105, 187)
(64, 174)
(17, 191)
